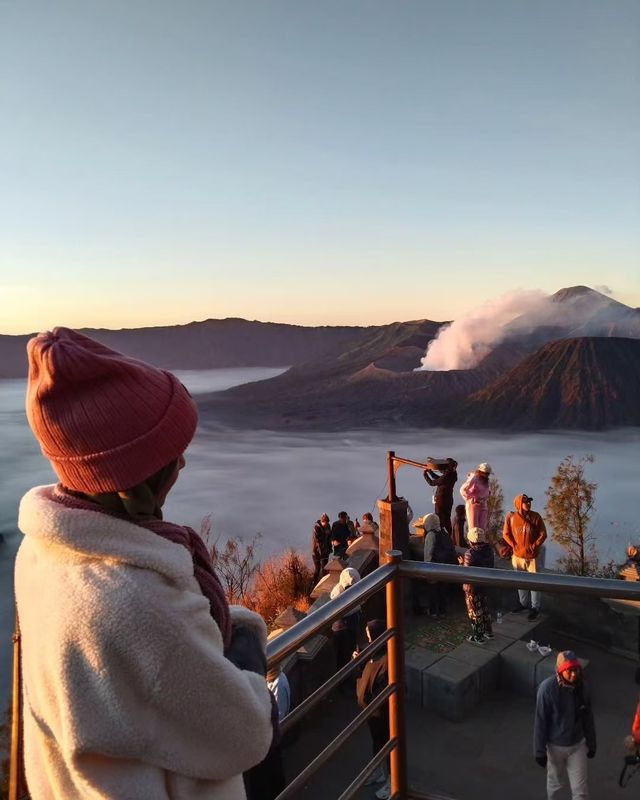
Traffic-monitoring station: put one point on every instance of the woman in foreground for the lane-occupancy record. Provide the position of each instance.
(139, 681)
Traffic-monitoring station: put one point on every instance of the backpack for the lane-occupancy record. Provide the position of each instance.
(444, 551)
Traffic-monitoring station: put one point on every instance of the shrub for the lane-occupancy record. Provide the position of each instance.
(282, 581)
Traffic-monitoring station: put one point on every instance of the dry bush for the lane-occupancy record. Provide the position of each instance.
(282, 581)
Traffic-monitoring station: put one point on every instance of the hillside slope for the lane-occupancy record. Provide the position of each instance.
(588, 383)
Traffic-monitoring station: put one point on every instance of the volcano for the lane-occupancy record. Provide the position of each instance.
(588, 383)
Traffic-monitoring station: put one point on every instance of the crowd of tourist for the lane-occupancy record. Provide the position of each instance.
(465, 528)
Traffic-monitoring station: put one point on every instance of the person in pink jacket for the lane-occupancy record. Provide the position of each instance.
(475, 492)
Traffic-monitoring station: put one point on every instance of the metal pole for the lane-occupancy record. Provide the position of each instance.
(16, 765)
(392, 476)
(395, 651)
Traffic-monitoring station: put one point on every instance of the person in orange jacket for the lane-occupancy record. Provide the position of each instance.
(632, 742)
(635, 728)
(524, 532)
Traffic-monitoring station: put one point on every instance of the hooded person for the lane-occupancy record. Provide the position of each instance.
(438, 549)
(478, 554)
(346, 629)
(139, 680)
(525, 532)
(475, 492)
(564, 734)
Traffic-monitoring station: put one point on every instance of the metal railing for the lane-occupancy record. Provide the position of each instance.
(391, 576)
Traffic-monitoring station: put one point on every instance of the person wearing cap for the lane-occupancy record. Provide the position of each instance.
(525, 532)
(443, 481)
(139, 680)
(478, 554)
(320, 546)
(475, 492)
(564, 734)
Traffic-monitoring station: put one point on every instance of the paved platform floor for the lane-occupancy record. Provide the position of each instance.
(489, 754)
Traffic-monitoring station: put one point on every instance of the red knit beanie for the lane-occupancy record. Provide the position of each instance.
(104, 420)
(567, 659)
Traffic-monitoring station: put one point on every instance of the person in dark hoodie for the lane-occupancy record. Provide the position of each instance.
(342, 534)
(320, 546)
(459, 527)
(524, 532)
(443, 482)
(479, 554)
(564, 734)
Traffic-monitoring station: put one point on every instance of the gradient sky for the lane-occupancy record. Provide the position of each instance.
(312, 161)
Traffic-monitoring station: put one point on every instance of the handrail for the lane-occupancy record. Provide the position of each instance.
(541, 581)
(290, 640)
(335, 744)
(321, 692)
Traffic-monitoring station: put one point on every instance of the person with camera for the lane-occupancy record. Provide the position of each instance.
(444, 481)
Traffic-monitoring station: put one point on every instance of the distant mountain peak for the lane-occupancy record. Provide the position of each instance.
(571, 292)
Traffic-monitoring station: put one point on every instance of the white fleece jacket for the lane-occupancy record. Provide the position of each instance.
(127, 693)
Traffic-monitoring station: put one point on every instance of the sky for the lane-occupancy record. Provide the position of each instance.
(312, 161)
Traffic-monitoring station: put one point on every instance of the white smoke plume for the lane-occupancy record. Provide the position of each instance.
(464, 343)
(603, 289)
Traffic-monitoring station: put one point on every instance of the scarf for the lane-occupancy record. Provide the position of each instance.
(139, 506)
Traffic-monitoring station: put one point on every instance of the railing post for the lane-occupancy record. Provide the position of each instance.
(16, 765)
(395, 652)
(391, 474)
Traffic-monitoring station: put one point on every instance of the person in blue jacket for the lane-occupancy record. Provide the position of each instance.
(564, 734)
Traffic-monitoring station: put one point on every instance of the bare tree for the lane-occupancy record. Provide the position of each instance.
(495, 511)
(569, 508)
(235, 563)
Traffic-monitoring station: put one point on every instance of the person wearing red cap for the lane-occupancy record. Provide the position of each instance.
(139, 679)
(564, 734)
